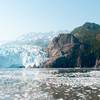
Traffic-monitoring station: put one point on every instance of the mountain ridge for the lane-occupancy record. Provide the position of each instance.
(86, 53)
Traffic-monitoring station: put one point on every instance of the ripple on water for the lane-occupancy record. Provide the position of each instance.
(49, 85)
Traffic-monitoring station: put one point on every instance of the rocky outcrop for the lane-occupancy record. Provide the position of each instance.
(80, 48)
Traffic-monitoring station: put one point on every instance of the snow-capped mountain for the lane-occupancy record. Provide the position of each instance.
(39, 39)
(27, 50)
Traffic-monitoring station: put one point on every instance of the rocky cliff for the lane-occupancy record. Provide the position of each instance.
(80, 48)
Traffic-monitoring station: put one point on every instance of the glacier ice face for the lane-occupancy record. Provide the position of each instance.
(21, 55)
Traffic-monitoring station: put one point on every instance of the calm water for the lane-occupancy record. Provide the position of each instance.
(49, 84)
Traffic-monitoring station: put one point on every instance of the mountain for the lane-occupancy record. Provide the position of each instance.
(88, 33)
(79, 48)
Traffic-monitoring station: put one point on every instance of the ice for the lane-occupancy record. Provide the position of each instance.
(21, 55)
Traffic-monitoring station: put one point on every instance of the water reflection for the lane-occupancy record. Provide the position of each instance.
(49, 84)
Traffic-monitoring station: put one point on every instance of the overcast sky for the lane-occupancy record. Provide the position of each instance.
(23, 16)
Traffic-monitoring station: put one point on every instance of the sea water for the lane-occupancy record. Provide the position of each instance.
(49, 84)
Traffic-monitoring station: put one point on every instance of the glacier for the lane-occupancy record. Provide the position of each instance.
(26, 51)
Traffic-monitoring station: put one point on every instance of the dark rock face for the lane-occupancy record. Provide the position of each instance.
(68, 51)
(98, 63)
(61, 51)
(61, 45)
(88, 60)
